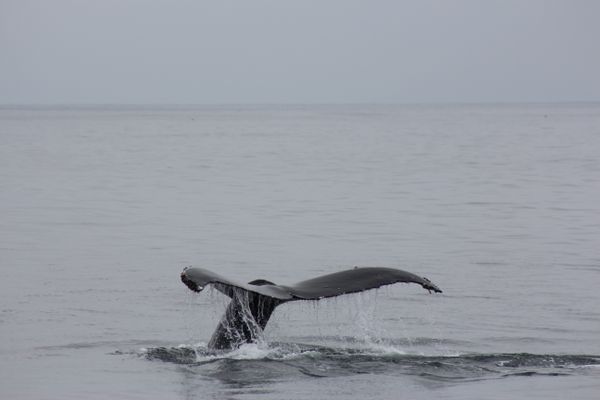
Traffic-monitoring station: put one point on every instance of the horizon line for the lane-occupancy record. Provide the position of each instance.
(286, 104)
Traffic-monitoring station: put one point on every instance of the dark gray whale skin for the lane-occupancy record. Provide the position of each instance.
(253, 303)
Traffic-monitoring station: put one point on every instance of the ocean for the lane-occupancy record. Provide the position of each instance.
(103, 207)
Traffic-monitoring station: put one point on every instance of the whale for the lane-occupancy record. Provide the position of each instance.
(253, 303)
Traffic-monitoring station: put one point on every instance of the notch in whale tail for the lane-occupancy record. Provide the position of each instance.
(253, 303)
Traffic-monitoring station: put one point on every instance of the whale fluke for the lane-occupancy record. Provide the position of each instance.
(253, 303)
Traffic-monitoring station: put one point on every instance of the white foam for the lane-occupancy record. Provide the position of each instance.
(250, 351)
(384, 349)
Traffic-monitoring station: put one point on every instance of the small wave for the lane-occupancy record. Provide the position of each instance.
(199, 354)
(289, 359)
(520, 360)
(534, 373)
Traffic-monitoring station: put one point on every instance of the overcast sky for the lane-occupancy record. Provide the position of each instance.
(288, 51)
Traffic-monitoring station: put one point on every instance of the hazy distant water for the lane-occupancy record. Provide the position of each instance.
(100, 209)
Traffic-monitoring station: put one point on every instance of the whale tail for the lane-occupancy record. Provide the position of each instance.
(253, 303)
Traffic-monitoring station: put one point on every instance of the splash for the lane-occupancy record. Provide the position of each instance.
(342, 361)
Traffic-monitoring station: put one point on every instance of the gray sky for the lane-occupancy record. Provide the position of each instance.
(305, 51)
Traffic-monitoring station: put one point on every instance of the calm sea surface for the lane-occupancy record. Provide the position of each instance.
(101, 209)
